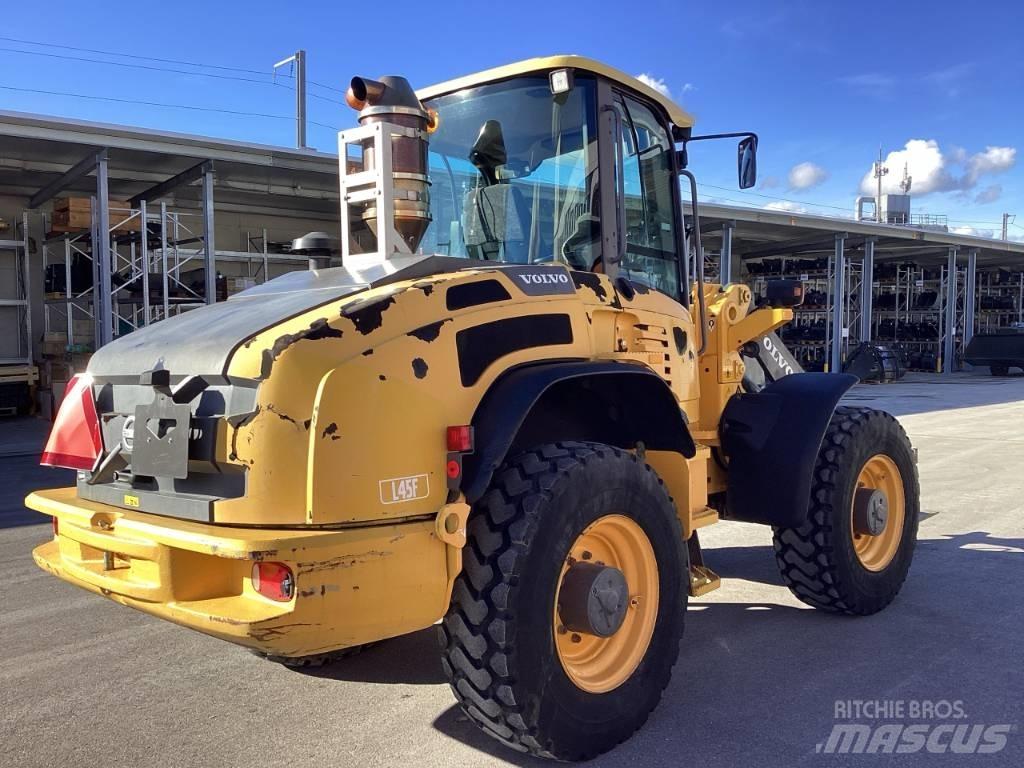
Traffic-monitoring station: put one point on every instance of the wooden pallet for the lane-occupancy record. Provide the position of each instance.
(13, 374)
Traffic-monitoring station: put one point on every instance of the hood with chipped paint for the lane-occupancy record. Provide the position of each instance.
(202, 340)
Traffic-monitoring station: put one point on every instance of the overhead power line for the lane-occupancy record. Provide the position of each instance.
(138, 57)
(191, 107)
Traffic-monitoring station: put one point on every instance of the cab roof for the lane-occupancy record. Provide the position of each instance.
(675, 113)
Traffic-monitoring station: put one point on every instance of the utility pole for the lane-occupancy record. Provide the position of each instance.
(879, 170)
(299, 61)
(1007, 219)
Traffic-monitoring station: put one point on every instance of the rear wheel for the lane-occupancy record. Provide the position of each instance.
(854, 550)
(566, 620)
(999, 370)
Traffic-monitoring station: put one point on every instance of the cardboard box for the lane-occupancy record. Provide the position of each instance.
(73, 214)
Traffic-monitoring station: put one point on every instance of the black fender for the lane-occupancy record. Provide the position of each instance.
(771, 440)
(638, 406)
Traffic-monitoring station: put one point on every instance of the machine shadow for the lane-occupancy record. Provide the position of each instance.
(412, 659)
(24, 475)
(736, 658)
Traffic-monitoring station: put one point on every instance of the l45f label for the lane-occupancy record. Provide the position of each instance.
(399, 489)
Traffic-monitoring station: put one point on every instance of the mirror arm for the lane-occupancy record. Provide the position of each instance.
(740, 135)
(695, 212)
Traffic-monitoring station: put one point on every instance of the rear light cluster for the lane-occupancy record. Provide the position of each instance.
(76, 441)
(273, 580)
(460, 442)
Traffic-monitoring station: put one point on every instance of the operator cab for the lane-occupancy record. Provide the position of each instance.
(559, 160)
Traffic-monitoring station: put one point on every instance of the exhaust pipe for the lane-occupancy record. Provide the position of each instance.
(363, 91)
(392, 100)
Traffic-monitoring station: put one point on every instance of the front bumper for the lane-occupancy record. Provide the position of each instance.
(353, 585)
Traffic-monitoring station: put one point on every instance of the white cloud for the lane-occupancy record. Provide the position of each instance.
(769, 182)
(989, 194)
(687, 87)
(656, 83)
(930, 168)
(806, 176)
(992, 160)
(972, 231)
(785, 205)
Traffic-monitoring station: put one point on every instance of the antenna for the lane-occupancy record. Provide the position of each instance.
(878, 171)
(906, 182)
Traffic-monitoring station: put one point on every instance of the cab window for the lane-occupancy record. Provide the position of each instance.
(650, 236)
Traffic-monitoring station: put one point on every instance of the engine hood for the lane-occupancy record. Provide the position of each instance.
(201, 341)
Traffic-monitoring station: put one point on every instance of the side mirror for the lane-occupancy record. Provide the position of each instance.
(746, 161)
(489, 150)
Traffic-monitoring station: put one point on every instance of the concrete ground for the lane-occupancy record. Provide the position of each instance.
(86, 682)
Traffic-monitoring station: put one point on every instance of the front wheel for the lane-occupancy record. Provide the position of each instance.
(566, 620)
(853, 552)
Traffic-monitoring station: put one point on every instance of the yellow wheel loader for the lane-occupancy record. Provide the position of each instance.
(508, 410)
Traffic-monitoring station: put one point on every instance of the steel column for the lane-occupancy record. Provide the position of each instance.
(163, 259)
(867, 289)
(300, 99)
(838, 288)
(27, 285)
(969, 295)
(101, 255)
(144, 257)
(950, 330)
(210, 255)
(725, 273)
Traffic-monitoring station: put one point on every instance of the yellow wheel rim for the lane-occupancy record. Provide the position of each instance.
(601, 664)
(876, 552)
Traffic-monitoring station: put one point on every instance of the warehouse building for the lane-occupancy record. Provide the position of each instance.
(105, 228)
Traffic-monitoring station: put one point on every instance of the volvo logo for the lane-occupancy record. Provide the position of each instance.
(776, 356)
(544, 279)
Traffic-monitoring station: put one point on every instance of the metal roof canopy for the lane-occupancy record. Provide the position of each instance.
(759, 233)
(37, 153)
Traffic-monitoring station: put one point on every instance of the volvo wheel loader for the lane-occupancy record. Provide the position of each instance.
(509, 410)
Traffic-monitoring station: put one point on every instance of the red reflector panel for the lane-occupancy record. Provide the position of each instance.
(460, 438)
(453, 469)
(75, 441)
(273, 580)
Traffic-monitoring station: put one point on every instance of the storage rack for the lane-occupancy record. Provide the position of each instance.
(148, 272)
(15, 296)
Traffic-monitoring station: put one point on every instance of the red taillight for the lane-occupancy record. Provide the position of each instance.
(460, 439)
(273, 580)
(76, 441)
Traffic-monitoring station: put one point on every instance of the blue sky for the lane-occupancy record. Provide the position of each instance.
(823, 83)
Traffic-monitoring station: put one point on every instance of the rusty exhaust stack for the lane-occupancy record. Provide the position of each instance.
(392, 100)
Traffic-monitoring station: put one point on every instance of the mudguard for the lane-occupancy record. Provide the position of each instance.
(646, 408)
(771, 440)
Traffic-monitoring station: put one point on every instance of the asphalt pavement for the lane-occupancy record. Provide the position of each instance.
(762, 679)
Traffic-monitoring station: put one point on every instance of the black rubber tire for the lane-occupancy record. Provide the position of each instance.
(497, 640)
(317, 659)
(999, 370)
(817, 559)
